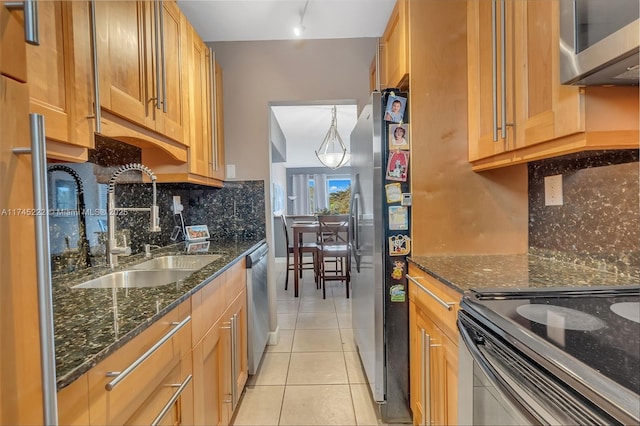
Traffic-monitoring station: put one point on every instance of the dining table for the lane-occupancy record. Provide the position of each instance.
(299, 228)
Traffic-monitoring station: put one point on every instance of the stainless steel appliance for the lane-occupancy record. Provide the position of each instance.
(550, 356)
(599, 42)
(257, 305)
(380, 325)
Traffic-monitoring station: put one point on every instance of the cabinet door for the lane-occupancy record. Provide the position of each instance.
(13, 56)
(491, 91)
(60, 76)
(50, 70)
(20, 373)
(552, 110)
(173, 36)
(200, 109)
(217, 160)
(211, 376)
(123, 29)
(434, 373)
(238, 313)
(395, 47)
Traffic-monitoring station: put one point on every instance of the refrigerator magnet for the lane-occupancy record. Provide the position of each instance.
(398, 270)
(399, 245)
(399, 136)
(395, 109)
(397, 293)
(394, 192)
(398, 165)
(398, 218)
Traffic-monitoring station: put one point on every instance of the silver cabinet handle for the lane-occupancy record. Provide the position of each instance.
(156, 35)
(425, 358)
(446, 305)
(494, 69)
(162, 60)
(503, 64)
(423, 376)
(174, 398)
(214, 125)
(94, 63)
(31, 27)
(120, 375)
(38, 153)
(234, 361)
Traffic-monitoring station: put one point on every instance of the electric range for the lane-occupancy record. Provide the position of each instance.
(583, 343)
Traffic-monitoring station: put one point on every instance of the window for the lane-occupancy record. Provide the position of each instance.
(339, 190)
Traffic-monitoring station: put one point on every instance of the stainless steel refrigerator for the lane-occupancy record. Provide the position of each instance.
(380, 313)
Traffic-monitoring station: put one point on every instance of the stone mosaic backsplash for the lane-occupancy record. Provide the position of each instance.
(598, 224)
(234, 212)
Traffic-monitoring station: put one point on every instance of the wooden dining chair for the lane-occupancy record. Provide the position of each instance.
(334, 253)
(303, 248)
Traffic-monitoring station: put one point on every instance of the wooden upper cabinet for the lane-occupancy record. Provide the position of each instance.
(541, 117)
(60, 79)
(492, 95)
(134, 50)
(13, 58)
(200, 150)
(124, 50)
(217, 160)
(551, 110)
(394, 64)
(173, 38)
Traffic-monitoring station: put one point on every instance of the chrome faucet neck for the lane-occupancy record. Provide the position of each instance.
(114, 249)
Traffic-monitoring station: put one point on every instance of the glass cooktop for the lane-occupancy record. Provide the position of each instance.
(599, 327)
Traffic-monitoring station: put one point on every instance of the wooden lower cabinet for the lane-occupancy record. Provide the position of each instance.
(146, 387)
(220, 361)
(433, 353)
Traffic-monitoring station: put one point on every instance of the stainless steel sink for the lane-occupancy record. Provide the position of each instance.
(133, 279)
(179, 262)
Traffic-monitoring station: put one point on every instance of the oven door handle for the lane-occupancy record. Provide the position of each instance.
(494, 377)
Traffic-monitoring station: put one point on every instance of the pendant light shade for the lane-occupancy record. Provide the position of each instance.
(333, 152)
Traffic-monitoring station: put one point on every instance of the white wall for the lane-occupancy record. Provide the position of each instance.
(258, 72)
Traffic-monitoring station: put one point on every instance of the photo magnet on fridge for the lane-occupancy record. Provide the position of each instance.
(398, 166)
(399, 245)
(399, 136)
(395, 109)
(394, 192)
(397, 293)
(398, 218)
(398, 270)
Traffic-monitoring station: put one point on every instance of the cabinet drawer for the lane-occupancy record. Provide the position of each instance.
(138, 375)
(431, 296)
(235, 281)
(174, 384)
(208, 305)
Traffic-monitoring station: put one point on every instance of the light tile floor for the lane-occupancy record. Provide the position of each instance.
(313, 376)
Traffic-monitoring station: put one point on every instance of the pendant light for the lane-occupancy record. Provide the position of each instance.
(333, 152)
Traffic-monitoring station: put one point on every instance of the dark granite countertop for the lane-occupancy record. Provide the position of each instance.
(85, 328)
(516, 271)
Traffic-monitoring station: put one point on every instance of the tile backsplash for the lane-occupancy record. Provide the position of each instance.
(598, 224)
(234, 212)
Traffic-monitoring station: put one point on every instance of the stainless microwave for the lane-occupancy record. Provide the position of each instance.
(599, 42)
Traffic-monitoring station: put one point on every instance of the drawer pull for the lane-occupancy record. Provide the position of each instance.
(172, 401)
(120, 375)
(446, 305)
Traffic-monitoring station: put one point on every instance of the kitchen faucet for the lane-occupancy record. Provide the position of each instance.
(84, 259)
(114, 249)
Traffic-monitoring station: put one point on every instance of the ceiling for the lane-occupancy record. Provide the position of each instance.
(304, 126)
(243, 20)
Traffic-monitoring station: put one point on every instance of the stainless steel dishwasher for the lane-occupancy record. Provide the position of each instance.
(257, 305)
